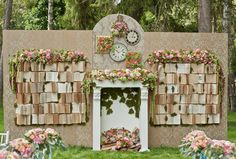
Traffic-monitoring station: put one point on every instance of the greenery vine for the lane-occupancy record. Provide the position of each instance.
(128, 96)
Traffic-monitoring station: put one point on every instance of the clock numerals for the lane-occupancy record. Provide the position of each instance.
(119, 52)
(132, 37)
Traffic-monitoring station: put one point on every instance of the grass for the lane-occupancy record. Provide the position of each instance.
(76, 152)
(232, 126)
(87, 153)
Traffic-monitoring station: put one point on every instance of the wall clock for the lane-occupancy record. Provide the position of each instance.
(132, 37)
(118, 52)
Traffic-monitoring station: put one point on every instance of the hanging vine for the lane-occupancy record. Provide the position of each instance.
(128, 96)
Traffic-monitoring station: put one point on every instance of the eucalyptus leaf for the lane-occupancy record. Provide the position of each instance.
(131, 111)
(109, 111)
(114, 96)
(122, 100)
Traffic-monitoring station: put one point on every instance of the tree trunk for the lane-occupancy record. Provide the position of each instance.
(232, 93)
(50, 14)
(6, 26)
(204, 16)
(227, 20)
(7, 14)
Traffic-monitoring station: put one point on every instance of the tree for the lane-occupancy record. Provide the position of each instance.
(35, 15)
(204, 16)
(6, 26)
(7, 15)
(50, 14)
(227, 19)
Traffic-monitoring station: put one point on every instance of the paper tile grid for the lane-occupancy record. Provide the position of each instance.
(50, 94)
(187, 94)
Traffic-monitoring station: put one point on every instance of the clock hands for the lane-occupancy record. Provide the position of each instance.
(119, 52)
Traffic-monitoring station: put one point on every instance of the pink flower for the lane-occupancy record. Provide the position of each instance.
(157, 54)
(118, 144)
(3, 154)
(22, 146)
(37, 140)
(48, 56)
(198, 50)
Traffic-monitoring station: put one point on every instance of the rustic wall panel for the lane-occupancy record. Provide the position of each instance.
(82, 40)
(217, 42)
(71, 40)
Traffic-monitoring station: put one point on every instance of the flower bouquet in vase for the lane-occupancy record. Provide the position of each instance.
(21, 147)
(193, 144)
(221, 149)
(119, 28)
(43, 141)
(4, 154)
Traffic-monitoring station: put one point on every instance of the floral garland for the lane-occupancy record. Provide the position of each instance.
(133, 60)
(183, 56)
(197, 56)
(48, 56)
(104, 43)
(42, 56)
(125, 75)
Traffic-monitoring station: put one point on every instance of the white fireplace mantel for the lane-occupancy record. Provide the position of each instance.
(143, 114)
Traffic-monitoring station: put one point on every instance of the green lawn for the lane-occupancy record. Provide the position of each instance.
(232, 127)
(87, 153)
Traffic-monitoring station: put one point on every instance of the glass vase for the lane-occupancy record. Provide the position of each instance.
(201, 156)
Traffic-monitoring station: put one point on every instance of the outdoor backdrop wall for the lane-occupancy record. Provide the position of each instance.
(82, 40)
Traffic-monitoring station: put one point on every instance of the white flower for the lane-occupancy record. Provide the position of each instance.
(131, 75)
(137, 74)
(94, 73)
(112, 74)
(106, 71)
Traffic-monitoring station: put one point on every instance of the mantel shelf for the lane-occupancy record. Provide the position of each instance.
(118, 84)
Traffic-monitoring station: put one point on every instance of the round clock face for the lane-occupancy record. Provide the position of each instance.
(118, 52)
(132, 37)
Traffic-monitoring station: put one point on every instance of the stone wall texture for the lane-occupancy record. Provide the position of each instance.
(82, 40)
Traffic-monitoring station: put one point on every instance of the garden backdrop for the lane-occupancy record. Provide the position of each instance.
(214, 16)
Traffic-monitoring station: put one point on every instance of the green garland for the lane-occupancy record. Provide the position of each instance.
(128, 96)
